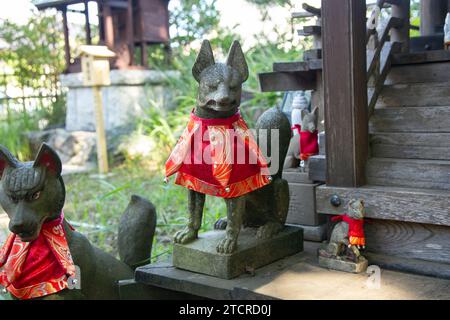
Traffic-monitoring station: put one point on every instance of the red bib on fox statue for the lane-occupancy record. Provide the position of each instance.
(38, 268)
(218, 157)
(355, 229)
(309, 143)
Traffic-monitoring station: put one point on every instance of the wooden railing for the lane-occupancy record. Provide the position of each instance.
(383, 42)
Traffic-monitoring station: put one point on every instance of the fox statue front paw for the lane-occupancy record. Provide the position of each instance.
(185, 236)
(227, 245)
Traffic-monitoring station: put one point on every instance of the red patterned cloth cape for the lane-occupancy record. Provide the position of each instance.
(219, 157)
(35, 269)
(355, 229)
(309, 143)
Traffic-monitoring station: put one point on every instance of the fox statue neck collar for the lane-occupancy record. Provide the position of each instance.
(35, 269)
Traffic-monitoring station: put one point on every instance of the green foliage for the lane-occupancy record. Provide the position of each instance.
(33, 58)
(33, 49)
(192, 20)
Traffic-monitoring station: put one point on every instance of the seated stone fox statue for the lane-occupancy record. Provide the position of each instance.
(206, 157)
(44, 257)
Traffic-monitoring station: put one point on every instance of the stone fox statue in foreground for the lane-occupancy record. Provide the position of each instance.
(45, 257)
(211, 165)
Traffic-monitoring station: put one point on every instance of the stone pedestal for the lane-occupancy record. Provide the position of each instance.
(302, 205)
(343, 265)
(124, 101)
(201, 256)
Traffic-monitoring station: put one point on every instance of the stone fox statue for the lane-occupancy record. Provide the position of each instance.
(45, 257)
(304, 143)
(211, 166)
(347, 236)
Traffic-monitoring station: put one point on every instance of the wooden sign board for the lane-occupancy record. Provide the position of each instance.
(95, 65)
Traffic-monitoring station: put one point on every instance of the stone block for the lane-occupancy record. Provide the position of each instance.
(124, 101)
(343, 265)
(314, 233)
(296, 175)
(302, 205)
(200, 256)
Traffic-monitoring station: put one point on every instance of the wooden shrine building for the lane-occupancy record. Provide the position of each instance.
(385, 100)
(126, 26)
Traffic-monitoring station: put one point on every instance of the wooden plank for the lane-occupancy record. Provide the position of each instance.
(297, 66)
(419, 73)
(398, 119)
(409, 240)
(389, 203)
(310, 31)
(431, 174)
(411, 145)
(301, 14)
(421, 57)
(415, 95)
(313, 54)
(317, 168)
(345, 91)
(287, 81)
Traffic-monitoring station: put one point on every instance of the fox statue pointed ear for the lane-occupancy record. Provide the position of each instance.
(236, 60)
(204, 59)
(49, 159)
(6, 160)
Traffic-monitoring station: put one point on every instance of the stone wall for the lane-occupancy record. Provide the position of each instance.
(124, 100)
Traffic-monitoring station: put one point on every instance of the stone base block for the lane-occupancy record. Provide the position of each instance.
(201, 256)
(302, 205)
(314, 233)
(343, 265)
(296, 175)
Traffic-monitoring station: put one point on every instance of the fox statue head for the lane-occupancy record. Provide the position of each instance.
(31, 193)
(220, 84)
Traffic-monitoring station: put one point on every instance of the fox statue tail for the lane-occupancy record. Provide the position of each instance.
(274, 119)
(136, 231)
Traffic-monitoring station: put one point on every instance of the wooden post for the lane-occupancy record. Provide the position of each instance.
(66, 37)
(345, 91)
(402, 34)
(108, 26)
(130, 30)
(432, 16)
(87, 25)
(144, 57)
(102, 152)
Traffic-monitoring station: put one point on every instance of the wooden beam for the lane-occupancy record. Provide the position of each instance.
(287, 81)
(144, 56)
(345, 91)
(402, 11)
(390, 203)
(66, 36)
(87, 24)
(108, 25)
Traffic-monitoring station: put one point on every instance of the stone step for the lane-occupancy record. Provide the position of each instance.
(429, 174)
(432, 119)
(432, 146)
(415, 95)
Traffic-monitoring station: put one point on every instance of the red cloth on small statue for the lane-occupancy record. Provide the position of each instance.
(309, 143)
(35, 269)
(218, 157)
(355, 229)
